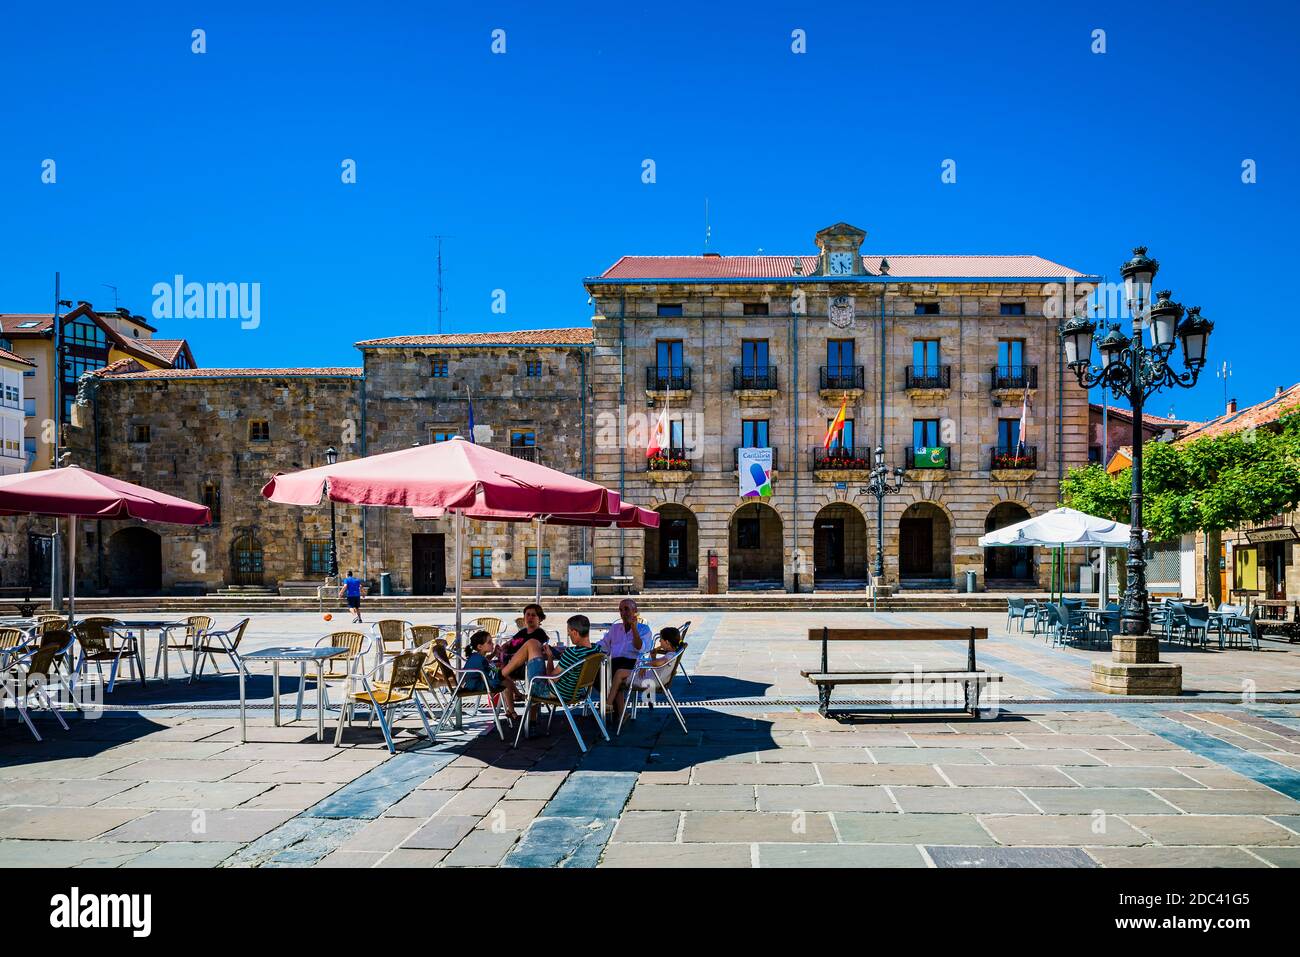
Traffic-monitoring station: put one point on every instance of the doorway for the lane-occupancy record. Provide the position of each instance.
(924, 544)
(428, 564)
(839, 544)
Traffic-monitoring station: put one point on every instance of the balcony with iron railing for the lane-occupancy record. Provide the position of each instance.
(1014, 378)
(926, 458)
(672, 464)
(753, 379)
(844, 458)
(841, 379)
(529, 453)
(1022, 458)
(927, 377)
(668, 378)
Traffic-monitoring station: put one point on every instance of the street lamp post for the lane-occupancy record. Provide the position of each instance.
(331, 457)
(1133, 372)
(879, 485)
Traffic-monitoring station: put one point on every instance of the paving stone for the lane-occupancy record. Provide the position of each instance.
(451, 778)
(237, 825)
(599, 795)
(537, 786)
(290, 797)
(955, 740)
(1290, 821)
(497, 778)
(943, 756)
(350, 859)
(511, 815)
(420, 804)
(380, 835)
(799, 773)
(1054, 757)
(1154, 759)
(1129, 777)
(157, 795)
(722, 827)
(1225, 829)
(810, 755)
(282, 751)
(677, 855)
(1213, 778)
(823, 797)
(193, 854)
(481, 848)
(561, 842)
(839, 855)
(1163, 857)
(642, 826)
(63, 823)
(68, 853)
(1260, 801)
(680, 776)
(441, 833)
(1006, 775)
(59, 793)
(692, 797)
(61, 768)
(1061, 829)
(169, 769)
(471, 802)
(153, 749)
(1108, 800)
(412, 857)
(380, 787)
(919, 774)
(1009, 857)
(1288, 857)
(1082, 742)
(971, 800)
(299, 772)
(910, 829)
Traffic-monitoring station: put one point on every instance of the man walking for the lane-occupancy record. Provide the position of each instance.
(351, 588)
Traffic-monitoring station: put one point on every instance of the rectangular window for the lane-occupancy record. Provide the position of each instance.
(676, 436)
(519, 440)
(531, 563)
(845, 439)
(839, 356)
(670, 310)
(755, 309)
(533, 368)
(480, 562)
(747, 532)
(927, 309)
(443, 436)
(316, 556)
(259, 430)
(753, 356)
(1011, 356)
(753, 433)
(669, 357)
(139, 433)
(925, 433)
(1012, 308)
(925, 356)
(1008, 435)
(438, 366)
(29, 408)
(210, 495)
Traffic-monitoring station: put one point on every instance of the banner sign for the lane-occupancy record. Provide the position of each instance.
(754, 468)
(1272, 533)
(930, 457)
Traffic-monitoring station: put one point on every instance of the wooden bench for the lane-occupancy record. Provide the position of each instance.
(622, 584)
(23, 603)
(971, 678)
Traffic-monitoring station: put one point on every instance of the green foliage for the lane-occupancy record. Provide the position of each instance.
(1210, 484)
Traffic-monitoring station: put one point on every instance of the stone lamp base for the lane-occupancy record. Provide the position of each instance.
(1137, 669)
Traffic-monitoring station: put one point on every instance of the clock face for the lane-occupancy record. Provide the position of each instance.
(840, 264)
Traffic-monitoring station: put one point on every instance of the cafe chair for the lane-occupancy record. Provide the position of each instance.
(449, 683)
(382, 697)
(392, 634)
(192, 630)
(686, 626)
(95, 639)
(339, 668)
(30, 677)
(645, 677)
(219, 643)
(545, 690)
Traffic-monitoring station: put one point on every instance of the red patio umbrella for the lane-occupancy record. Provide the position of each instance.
(74, 492)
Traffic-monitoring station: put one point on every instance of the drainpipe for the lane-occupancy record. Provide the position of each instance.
(582, 405)
(1060, 409)
(795, 386)
(622, 409)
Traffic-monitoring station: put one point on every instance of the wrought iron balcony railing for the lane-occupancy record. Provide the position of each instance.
(841, 377)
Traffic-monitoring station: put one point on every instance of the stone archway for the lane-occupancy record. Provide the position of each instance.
(672, 550)
(135, 562)
(1008, 567)
(839, 544)
(756, 547)
(925, 544)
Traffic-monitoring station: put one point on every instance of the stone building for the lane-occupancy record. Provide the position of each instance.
(731, 352)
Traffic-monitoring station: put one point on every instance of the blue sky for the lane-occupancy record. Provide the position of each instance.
(225, 166)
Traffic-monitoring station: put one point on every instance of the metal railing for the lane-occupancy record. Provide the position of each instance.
(841, 377)
(669, 460)
(1015, 377)
(842, 457)
(911, 460)
(753, 377)
(663, 379)
(927, 377)
(1021, 457)
(529, 453)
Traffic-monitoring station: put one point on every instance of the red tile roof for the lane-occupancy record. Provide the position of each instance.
(1253, 416)
(573, 336)
(11, 323)
(12, 357)
(1147, 418)
(154, 350)
(303, 373)
(167, 349)
(782, 267)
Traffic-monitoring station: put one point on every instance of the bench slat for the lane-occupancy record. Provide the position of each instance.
(898, 634)
(863, 678)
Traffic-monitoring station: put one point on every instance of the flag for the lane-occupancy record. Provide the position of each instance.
(659, 435)
(471, 414)
(837, 425)
(1024, 419)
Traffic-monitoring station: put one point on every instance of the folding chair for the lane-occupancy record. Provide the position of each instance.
(219, 643)
(643, 680)
(439, 673)
(193, 627)
(357, 645)
(38, 666)
(392, 634)
(384, 696)
(545, 689)
(682, 647)
(95, 639)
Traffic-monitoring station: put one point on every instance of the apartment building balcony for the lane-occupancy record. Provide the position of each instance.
(669, 466)
(1011, 382)
(754, 383)
(529, 453)
(930, 463)
(927, 382)
(841, 464)
(1013, 465)
(672, 383)
(837, 383)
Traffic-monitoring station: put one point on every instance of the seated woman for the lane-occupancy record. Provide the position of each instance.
(482, 657)
(531, 631)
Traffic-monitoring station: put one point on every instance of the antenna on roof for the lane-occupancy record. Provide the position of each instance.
(1224, 372)
(114, 288)
(708, 230)
(440, 238)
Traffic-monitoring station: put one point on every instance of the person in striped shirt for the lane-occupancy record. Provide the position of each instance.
(537, 661)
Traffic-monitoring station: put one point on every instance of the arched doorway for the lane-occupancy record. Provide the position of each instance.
(756, 547)
(839, 544)
(1007, 567)
(246, 560)
(672, 549)
(924, 544)
(135, 562)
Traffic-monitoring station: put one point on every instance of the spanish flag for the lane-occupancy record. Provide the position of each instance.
(837, 425)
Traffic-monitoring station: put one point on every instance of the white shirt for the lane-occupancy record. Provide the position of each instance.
(617, 642)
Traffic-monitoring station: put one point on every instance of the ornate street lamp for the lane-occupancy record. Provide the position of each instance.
(331, 457)
(1133, 372)
(879, 485)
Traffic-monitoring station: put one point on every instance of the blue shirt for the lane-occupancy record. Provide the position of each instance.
(353, 586)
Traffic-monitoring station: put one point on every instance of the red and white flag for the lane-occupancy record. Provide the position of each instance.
(659, 438)
(1024, 418)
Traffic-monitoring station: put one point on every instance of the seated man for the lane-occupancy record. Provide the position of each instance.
(535, 659)
(624, 642)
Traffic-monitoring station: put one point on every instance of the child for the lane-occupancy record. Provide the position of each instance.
(482, 658)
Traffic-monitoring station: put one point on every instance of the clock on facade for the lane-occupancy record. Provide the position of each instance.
(839, 264)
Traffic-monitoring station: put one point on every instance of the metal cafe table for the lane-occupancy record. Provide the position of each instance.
(299, 656)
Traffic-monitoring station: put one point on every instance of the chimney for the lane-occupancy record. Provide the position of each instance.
(1279, 391)
(1232, 406)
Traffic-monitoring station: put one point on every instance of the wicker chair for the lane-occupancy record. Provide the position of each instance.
(392, 634)
(447, 683)
(32, 676)
(544, 689)
(13, 641)
(491, 625)
(97, 646)
(341, 667)
(401, 688)
(192, 629)
(212, 643)
(423, 634)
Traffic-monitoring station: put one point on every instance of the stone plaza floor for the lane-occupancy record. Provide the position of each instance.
(1060, 777)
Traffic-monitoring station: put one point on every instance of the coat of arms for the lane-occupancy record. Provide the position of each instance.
(840, 312)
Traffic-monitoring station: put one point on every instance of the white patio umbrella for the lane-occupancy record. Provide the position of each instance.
(1063, 528)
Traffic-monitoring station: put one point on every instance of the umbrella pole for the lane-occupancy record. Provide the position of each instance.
(538, 575)
(72, 570)
(458, 524)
